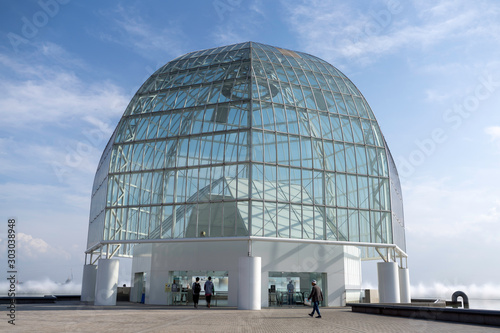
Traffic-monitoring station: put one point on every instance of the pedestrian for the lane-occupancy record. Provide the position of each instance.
(315, 297)
(290, 287)
(209, 290)
(196, 292)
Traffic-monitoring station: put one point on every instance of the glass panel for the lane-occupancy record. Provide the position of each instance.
(270, 148)
(283, 217)
(231, 147)
(329, 154)
(343, 227)
(293, 124)
(372, 161)
(363, 192)
(374, 193)
(134, 191)
(326, 128)
(299, 98)
(268, 116)
(361, 161)
(270, 209)
(346, 129)
(352, 189)
(318, 188)
(361, 108)
(330, 188)
(357, 131)
(331, 224)
(353, 226)
(257, 146)
(315, 124)
(306, 153)
(279, 112)
(283, 179)
(330, 102)
(309, 98)
(307, 187)
(336, 127)
(350, 158)
(295, 185)
(384, 194)
(367, 132)
(146, 188)
(257, 218)
(256, 116)
(339, 157)
(282, 149)
(341, 186)
(351, 108)
(294, 151)
(364, 226)
(340, 103)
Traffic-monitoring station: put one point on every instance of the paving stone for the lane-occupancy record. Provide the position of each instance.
(130, 317)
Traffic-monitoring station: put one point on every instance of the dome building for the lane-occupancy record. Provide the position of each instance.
(252, 164)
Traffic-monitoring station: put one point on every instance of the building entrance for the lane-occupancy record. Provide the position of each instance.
(292, 288)
(181, 292)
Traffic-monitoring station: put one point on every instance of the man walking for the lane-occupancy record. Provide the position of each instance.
(209, 290)
(315, 297)
(196, 292)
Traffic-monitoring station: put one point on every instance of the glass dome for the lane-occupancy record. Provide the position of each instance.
(247, 140)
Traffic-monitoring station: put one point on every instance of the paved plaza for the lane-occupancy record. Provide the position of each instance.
(128, 317)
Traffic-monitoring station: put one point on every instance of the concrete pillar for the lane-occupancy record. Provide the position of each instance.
(249, 284)
(106, 282)
(404, 285)
(388, 282)
(88, 283)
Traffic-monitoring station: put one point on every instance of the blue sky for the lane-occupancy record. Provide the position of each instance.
(429, 69)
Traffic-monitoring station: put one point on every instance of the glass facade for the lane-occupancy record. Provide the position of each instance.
(247, 140)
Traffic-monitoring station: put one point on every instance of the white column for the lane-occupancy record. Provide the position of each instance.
(388, 282)
(249, 284)
(106, 282)
(404, 285)
(88, 283)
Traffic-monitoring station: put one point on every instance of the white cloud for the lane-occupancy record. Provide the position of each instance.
(341, 32)
(31, 247)
(46, 95)
(493, 132)
(450, 209)
(135, 32)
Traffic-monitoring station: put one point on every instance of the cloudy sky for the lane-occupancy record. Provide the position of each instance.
(429, 69)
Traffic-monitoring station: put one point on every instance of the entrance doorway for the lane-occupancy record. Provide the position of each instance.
(292, 288)
(139, 287)
(184, 292)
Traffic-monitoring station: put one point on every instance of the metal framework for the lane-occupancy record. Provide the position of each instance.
(247, 140)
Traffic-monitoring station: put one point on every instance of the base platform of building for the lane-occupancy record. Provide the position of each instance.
(73, 316)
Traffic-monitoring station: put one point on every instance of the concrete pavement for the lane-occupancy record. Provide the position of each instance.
(73, 316)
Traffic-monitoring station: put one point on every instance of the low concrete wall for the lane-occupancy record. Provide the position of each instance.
(469, 316)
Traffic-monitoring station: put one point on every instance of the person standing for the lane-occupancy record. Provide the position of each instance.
(209, 290)
(291, 288)
(315, 297)
(196, 292)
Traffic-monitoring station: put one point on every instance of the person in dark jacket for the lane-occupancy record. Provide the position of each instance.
(315, 297)
(196, 292)
(209, 290)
